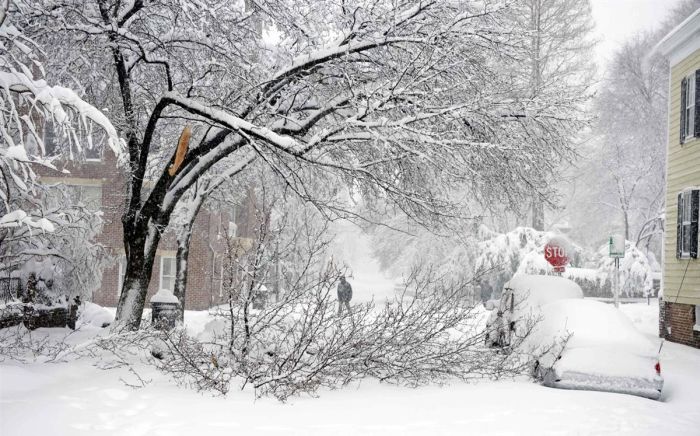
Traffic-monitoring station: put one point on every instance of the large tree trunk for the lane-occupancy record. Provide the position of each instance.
(184, 238)
(535, 84)
(140, 245)
(183, 251)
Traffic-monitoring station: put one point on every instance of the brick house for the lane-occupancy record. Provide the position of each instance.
(99, 184)
(679, 311)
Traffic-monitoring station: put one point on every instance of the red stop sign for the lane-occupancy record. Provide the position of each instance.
(556, 254)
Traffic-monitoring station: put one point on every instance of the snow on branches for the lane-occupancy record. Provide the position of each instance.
(27, 102)
(405, 102)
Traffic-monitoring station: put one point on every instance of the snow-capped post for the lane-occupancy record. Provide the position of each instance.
(556, 253)
(616, 243)
(165, 309)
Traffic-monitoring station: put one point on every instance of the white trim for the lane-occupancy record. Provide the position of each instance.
(232, 229)
(166, 253)
(696, 327)
(689, 109)
(689, 193)
(120, 274)
(71, 181)
(681, 41)
(685, 50)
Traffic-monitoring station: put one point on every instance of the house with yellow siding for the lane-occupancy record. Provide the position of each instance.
(679, 310)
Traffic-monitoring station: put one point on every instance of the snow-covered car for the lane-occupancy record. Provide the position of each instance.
(520, 303)
(603, 352)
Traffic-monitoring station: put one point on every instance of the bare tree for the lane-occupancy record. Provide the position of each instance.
(558, 61)
(298, 343)
(385, 95)
(619, 181)
(185, 214)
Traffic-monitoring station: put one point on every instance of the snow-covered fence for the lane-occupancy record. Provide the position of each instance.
(34, 317)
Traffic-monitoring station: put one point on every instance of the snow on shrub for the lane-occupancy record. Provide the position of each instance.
(635, 271)
(519, 251)
(636, 275)
(93, 315)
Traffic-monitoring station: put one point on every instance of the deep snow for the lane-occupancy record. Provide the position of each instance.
(76, 398)
(79, 399)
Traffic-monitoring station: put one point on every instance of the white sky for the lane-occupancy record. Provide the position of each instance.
(617, 20)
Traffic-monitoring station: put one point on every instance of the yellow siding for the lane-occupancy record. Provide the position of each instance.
(683, 171)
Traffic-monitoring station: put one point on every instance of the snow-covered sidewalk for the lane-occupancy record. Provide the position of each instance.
(78, 399)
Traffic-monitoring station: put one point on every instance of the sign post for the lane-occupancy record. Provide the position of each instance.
(556, 253)
(616, 249)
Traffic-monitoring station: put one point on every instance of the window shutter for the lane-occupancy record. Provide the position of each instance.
(697, 104)
(684, 84)
(679, 226)
(694, 203)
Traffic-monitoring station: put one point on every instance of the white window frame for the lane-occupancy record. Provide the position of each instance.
(232, 229)
(94, 159)
(120, 274)
(686, 220)
(81, 189)
(162, 259)
(696, 327)
(689, 107)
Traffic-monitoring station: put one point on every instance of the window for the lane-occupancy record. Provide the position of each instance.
(689, 115)
(121, 271)
(232, 229)
(687, 228)
(55, 142)
(89, 195)
(51, 138)
(689, 122)
(167, 273)
(93, 153)
(696, 327)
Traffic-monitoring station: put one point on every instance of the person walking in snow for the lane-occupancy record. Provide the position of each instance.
(344, 295)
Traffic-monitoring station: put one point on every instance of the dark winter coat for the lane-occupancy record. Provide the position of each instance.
(344, 291)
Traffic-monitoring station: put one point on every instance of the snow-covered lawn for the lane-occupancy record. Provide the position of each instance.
(78, 399)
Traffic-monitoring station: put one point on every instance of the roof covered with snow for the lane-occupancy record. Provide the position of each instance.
(682, 41)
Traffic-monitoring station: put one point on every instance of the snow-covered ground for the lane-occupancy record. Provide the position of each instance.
(78, 399)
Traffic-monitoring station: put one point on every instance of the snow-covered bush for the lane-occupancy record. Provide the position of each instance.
(521, 250)
(67, 259)
(409, 341)
(635, 271)
(636, 275)
(40, 232)
(93, 315)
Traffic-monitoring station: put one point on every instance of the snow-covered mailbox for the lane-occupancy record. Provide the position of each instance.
(165, 308)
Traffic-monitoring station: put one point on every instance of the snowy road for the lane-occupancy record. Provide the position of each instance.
(77, 399)
(352, 248)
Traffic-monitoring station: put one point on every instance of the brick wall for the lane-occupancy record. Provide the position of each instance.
(206, 250)
(681, 319)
